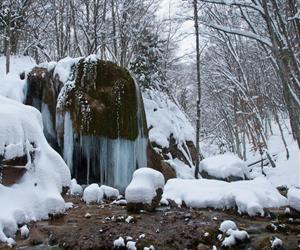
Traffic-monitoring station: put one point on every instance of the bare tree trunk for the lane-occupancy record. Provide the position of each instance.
(7, 44)
(113, 15)
(195, 5)
(282, 137)
(103, 32)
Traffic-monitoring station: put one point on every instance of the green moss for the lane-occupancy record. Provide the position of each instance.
(103, 101)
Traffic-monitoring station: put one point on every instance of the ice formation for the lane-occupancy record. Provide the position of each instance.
(106, 160)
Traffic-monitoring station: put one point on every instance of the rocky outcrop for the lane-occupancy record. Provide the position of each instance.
(11, 171)
(94, 117)
(42, 94)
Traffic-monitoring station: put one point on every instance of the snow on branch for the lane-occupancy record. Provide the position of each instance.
(240, 3)
(248, 34)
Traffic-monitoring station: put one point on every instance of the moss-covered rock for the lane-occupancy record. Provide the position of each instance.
(103, 101)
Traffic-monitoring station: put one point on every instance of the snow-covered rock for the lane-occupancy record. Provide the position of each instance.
(234, 237)
(226, 225)
(92, 193)
(145, 189)
(38, 192)
(170, 134)
(226, 167)
(131, 245)
(75, 188)
(118, 243)
(24, 231)
(11, 85)
(109, 192)
(293, 196)
(248, 196)
(276, 243)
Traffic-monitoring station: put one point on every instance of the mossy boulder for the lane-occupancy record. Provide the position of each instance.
(103, 101)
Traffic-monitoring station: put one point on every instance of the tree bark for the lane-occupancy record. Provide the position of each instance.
(195, 5)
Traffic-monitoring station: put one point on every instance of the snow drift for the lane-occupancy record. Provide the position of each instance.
(38, 192)
(248, 196)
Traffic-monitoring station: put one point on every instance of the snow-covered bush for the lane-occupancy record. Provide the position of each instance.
(38, 192)
(145, 182)
(92, 193)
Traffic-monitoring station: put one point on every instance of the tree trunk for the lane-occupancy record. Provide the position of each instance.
(195, 5)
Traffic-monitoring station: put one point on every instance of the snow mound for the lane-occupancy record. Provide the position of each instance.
(276, 242)
(92, 193)
(38, 192)
(24, 231)
(248, 196)
(75, 188)
(293, 196)
(234, 237)
(226, 225)
(143, 186)
(109, 192)
(63, 68)
(224, 165)
(119, 243)
(164, 119)
(11, 85)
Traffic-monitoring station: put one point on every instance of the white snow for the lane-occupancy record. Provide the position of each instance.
(11, 86)
(226, 225)
(109, 192)
(293, 196)
(131, 245)
(276, 243)
(165, 118)
(63, 68)
(38, 192)
(119, 242)
(248, 196)
(182, 170)
(143, 186)
(224, 165)
(24, 231)
(92, 193)
(234, 236)
(75, 188)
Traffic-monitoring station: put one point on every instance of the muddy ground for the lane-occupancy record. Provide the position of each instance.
(167, 228)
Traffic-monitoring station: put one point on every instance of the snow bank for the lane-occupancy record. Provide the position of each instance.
(164, 118)
(38, 192)
(11, 85)
(287, 172)
(142, 188)
(248, 196)
(293, 196)
(92, 193)
(224, 165)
